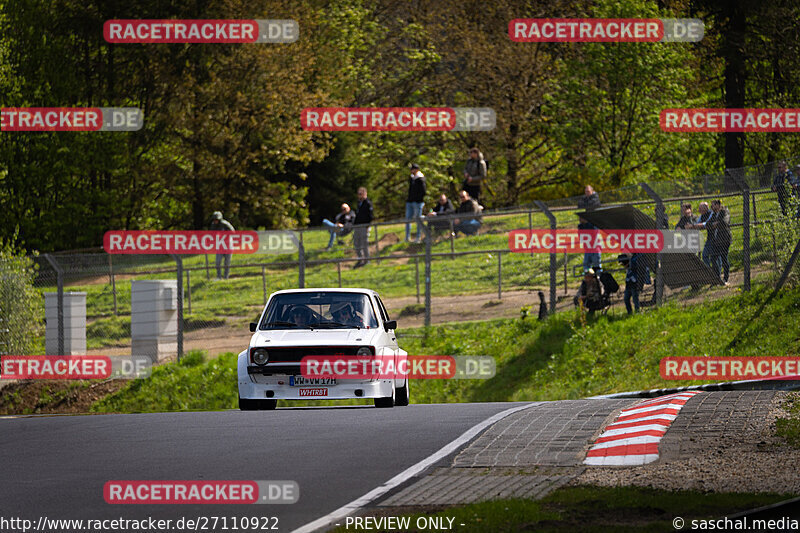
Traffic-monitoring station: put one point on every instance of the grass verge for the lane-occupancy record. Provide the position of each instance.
(618, 509)
(564, 357)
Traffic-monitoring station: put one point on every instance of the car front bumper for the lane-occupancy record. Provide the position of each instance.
(277, 387)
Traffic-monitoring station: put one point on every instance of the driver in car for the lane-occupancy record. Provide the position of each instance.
(300, 315)
(342, 312)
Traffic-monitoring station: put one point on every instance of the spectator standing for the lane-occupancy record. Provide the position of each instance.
(590, 200)
(636, 276)
(783, 177)
(474, 173)
(686, 221)
(364, 216)
(415, 201)
(468, 206)
(720, 225)
(590, 259)
(705, 214)
(442, 208)
(220, 224)
(342, 224)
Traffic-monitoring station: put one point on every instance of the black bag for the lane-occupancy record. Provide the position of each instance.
(609, 283)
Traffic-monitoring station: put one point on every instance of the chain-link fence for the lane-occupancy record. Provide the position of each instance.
(459, 271)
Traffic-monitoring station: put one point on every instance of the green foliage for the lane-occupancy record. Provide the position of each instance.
(589, 508)
(788, 427)
(560, 358)
(21, 306)
(191, 384)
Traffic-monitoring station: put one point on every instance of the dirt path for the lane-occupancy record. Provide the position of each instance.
(218, 340)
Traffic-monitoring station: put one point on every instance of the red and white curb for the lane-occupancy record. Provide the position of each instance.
(633, 438)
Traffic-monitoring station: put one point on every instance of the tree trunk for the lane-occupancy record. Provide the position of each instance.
(735, 75)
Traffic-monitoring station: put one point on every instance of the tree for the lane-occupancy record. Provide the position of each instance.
(20, 303)
(607, 113)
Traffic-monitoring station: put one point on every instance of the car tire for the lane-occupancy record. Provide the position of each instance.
(267, 405)
(388, 401)
(248, 405)
(402, 397)
(257, 405)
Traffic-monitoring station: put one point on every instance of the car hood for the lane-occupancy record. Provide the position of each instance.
(317, 337)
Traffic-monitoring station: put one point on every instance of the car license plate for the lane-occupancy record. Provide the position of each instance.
(298, 381)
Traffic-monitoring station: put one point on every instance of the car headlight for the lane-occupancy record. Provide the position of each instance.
(364, 350)
(260, 356)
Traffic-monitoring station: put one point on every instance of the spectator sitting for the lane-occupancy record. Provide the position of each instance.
(590, 293)
(442, 208)
(783, 177)
(467, 226)
(686, 221)
(590, 200)
(342, 225)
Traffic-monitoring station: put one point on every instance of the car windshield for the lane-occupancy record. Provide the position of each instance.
(319, 310)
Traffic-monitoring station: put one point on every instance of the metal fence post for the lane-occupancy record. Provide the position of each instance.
(416, 277)
(113, 283)
(428, 238)
(530, 223)
(543, 207)
(339, 272)
(661, 217)
(179, 262)
(208, 274)
(264, 282)
(189, 290)
(301, 262)
(742, 185)
(452, 237)
(60, 299)
(500, 276)
(377, 247)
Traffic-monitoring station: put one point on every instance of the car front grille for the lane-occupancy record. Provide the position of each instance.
(296, 354)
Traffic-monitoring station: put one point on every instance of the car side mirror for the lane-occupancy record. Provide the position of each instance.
(390, 324)
(253, 326)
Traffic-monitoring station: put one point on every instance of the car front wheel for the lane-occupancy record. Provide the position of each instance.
(257, 405)
(387, 401)
(402, 396)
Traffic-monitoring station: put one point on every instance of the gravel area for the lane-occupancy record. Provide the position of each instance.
(727, 444)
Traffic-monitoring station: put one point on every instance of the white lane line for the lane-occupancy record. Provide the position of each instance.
(634, 429)
(621, 460)
(678, 396)
(642, 439)
(408, 473)
(616, 425)
(649, 408)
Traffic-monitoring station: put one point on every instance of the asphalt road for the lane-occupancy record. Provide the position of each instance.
(57, 466)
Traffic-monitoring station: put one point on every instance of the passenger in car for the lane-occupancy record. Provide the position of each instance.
(342, 312)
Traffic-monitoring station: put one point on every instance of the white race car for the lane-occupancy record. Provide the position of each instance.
(319, 322)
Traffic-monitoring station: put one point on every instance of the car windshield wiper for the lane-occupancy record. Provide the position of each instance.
(331, 323)
(282, 323)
